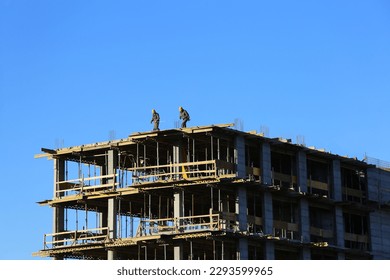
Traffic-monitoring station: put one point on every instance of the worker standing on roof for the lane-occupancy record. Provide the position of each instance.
(184, 116)
(155, 120)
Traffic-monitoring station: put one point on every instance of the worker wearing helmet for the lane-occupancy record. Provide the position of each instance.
(184, 116)
(155, 120)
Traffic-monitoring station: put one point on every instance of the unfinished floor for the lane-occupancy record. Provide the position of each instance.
(214, 193)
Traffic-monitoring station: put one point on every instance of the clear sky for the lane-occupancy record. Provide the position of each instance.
(79, 72)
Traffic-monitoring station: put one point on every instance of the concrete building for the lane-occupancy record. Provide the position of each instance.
(214, 193)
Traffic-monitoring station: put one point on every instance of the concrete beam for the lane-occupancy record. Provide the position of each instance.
(242, 214)
(178, 211)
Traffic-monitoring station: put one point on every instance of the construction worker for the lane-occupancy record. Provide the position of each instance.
(155, 120)
(184, 116)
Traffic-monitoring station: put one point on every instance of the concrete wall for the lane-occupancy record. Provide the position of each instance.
(380, 234)
(378, 182)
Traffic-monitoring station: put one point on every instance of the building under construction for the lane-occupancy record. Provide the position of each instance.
(214, 193)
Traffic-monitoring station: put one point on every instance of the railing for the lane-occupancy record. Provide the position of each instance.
(210, 169)
(74, 238)
(82, 184)
(181, 171)
(211, 222)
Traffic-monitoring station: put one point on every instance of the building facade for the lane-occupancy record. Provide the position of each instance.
(214, 193)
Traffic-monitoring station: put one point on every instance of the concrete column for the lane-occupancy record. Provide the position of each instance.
(112, 203)
(266, 169)
(178, 204)
(242, 208)
(336, 181)
(239, 156)
(338, 196)
(269, 252)
(178, 211)
(178, 251)
(268, 214)
(306, 253)
(304, 215)
(268, 218)
(176, 159)
(58, 212)
(339, 227)
(302, 171)
(304, 220)
(242, 216)
(339, 221)
(241, 202)
(242, 249)
(341, 256)
(304, 226)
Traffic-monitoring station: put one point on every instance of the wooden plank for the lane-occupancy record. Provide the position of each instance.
(42, 155)
(87, 188)
(111, 176)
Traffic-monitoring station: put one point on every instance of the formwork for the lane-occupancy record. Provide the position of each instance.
(208, 193)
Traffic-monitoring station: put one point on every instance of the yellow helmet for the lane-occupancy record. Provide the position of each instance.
(153, 111)
(180, 108)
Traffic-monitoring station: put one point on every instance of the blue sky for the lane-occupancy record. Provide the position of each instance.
(74, 72)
